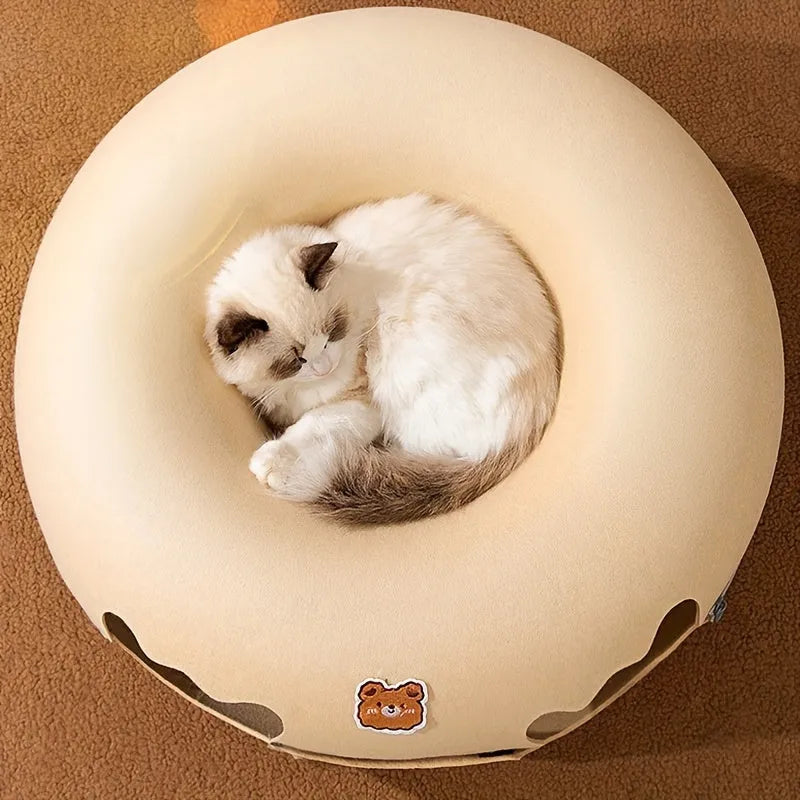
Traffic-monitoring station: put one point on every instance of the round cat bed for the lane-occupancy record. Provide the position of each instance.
(496, 628)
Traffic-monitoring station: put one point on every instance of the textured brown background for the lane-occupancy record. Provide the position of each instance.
(721, 718)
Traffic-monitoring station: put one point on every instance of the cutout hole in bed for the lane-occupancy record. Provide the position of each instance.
(678, 622)
(257, 718)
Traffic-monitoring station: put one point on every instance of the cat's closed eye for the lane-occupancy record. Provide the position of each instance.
(337, 324)
(236, 327)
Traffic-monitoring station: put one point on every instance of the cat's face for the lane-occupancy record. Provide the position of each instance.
(273, 314)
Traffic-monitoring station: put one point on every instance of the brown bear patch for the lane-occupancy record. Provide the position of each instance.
(398, 708)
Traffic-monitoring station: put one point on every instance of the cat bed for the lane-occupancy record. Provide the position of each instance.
(494, 629)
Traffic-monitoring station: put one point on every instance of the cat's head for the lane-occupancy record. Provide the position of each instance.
(273, 314)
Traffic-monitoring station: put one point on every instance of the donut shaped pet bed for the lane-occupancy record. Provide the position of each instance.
(498, 627)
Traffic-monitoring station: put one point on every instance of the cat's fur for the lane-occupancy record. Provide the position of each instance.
(405, 356)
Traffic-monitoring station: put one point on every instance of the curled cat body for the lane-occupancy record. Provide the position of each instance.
(404, 357)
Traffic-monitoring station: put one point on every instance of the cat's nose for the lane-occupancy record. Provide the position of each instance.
(322, 364)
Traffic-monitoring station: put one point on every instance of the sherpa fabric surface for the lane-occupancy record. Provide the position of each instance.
(719, 719)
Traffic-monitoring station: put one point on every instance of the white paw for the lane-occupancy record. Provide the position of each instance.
(274, 464)
(294, 469)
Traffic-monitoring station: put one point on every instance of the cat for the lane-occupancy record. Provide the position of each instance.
(404, 357)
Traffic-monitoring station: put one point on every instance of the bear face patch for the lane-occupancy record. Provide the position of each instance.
(395, 708)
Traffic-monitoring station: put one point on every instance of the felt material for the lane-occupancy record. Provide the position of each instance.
(720, 718)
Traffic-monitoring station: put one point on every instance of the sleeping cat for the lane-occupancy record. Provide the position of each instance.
(404, 357)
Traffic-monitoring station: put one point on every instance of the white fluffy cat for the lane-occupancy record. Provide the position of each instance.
(404, 357)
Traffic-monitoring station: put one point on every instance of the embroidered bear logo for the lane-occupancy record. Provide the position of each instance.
(397, 708)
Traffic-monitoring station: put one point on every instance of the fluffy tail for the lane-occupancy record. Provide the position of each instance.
(377, 485)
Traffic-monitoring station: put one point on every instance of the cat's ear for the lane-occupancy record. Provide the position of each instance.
(315, 262)
(235, 327)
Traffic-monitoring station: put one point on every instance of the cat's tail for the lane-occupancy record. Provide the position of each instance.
(376, 485)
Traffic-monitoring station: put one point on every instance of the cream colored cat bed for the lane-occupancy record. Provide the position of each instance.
(497, 628)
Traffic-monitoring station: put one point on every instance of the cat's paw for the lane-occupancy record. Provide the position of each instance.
(274, 463)
(295, 470)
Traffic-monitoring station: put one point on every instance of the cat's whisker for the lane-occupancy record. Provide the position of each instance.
(367, 332)
(262, 399)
